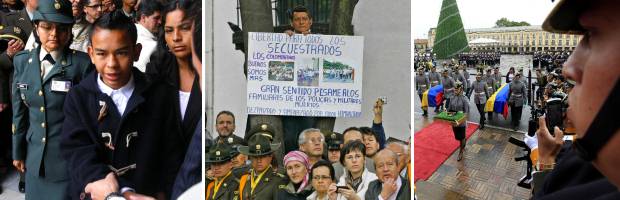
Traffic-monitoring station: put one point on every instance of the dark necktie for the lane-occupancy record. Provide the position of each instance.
(49, 58)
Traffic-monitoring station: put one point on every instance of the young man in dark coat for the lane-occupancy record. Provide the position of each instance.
(117, 135)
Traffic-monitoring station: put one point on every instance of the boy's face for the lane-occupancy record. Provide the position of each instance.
(113, 54)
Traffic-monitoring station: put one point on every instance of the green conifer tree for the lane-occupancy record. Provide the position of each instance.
(450, 38)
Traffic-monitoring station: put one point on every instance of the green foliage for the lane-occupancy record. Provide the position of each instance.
(450, 38)
(334, 65)
(504, 22)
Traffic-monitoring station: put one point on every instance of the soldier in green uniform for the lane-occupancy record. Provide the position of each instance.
(226, 185)
(262, 180)
(43, 76)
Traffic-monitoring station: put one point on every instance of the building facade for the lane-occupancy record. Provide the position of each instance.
(420, 45)
(520, 39)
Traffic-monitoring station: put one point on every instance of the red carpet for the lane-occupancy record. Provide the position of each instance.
(433, 145)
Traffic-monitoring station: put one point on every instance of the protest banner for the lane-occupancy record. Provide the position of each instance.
(304, 75)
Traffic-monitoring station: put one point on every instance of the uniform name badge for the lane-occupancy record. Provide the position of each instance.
(61, 86)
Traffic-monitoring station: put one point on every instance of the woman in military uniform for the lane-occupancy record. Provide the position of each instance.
(43, 76)
(458, 102)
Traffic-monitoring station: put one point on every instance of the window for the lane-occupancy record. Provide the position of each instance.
(320, 10)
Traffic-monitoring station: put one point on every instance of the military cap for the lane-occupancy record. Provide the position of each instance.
(334, 140)
(258, 145)
(391, 139)
(234, 142)
(8, 33)
(263, 129)
(564, 18)
(58, 11)
(219, 153)
(11, 32)
(458, 85)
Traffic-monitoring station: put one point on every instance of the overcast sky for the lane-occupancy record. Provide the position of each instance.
(479, 13)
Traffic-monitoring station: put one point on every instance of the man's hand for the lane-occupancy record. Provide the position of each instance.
(289, 32)
(136, 196)
(548, 146)
(378, 110)
(98, 190)
(14, 47)
(20, 165)
(3, 106)
(388, 188)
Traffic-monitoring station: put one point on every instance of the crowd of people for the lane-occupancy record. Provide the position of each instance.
(102, 97)
(473, 59)
(358, 164)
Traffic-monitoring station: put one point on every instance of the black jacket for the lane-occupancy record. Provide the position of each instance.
(163, 67)
(575, 178)
(154, 149)
(374, 190)
(286, 191)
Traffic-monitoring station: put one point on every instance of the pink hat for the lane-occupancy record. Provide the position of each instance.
(297, 156)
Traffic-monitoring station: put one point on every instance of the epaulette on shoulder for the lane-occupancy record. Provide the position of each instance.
(278, 174)
(22, 52)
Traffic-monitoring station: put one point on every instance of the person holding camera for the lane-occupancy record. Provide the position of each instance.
(590, 169)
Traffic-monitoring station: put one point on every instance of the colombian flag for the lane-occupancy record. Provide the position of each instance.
(432, 97)
(498, 102)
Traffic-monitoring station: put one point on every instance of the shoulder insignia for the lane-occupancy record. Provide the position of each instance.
(281, 186)
(280, 175)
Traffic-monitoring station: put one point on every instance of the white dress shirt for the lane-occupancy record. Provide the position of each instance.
(183, 101)
(149, 43)
(46, 66)
(120, 96)
(399, 183)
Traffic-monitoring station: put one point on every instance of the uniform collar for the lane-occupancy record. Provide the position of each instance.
(55, 54)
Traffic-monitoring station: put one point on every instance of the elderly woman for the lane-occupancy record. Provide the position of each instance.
(298, 187)
(356, 177)
(43, 76)
(323, 181)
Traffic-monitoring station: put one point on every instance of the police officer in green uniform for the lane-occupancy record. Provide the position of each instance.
(225, 185)
(43, 76)
(262, 180)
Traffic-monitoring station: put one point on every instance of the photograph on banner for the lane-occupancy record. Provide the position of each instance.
(299, 98)
(283, 75)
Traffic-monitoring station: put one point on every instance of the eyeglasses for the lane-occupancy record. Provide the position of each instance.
(324, 177)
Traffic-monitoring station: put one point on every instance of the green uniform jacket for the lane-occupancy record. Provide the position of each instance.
(37, 111)
(266, 187)
(229, 189)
